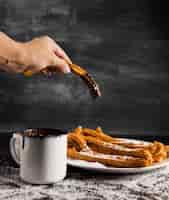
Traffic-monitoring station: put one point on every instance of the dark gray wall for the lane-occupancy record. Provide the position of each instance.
(124, 44)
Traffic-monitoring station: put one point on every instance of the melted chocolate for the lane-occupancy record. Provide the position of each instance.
(42, 132)
(87, 78)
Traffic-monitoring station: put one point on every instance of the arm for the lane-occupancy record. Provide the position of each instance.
(36, 55)
(10, 52)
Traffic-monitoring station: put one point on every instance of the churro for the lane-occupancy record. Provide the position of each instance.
(160, 152)
(96, 146)
(76, 141)
(108, 160)
(109, 148)
(98, 133)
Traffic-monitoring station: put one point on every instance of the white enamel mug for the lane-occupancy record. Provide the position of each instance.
(42, 160)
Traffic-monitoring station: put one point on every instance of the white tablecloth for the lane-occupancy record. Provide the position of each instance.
(84, 185)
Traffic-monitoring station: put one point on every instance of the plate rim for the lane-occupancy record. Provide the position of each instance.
(92, 166)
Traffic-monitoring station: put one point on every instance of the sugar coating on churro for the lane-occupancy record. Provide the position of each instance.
(96, 146)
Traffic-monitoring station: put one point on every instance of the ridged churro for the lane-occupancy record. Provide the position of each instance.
(160, 152)
(96, 146)
(109, 160)
(98, 133)
(76, 141)
(116, 149)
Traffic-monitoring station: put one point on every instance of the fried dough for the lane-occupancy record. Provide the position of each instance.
(108, 160)
(76, 141)
(160, 153)
(115, 149)
(96, 146)
(122, 141)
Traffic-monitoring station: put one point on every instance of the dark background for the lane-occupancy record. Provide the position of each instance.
(124, 44)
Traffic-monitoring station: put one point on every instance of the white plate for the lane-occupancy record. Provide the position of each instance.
(94, 166)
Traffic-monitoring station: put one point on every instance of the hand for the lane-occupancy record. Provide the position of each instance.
(35, 55)
(44, 52)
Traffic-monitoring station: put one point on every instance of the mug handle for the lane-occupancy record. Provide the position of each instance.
(13, 151)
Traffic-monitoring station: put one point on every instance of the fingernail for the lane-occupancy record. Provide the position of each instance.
(67, 69)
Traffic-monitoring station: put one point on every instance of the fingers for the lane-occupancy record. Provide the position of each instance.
(30, 70)
(54, 64)
(60, 64)
(14, 68)
(56, 48)
(61, 53)
(48, 57)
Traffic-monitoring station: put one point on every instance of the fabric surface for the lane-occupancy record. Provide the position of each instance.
(85, 185)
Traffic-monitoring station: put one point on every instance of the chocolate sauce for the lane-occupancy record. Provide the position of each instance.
(42, 132)
(88, 80)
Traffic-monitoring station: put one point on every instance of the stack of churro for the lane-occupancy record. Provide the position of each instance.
(96, 146)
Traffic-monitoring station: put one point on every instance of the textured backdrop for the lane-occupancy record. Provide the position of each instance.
(124, 44)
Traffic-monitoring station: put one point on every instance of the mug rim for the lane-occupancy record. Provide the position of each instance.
(42, 132)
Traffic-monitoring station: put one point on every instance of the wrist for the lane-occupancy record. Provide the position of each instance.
(10, 49)
(11, 52)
